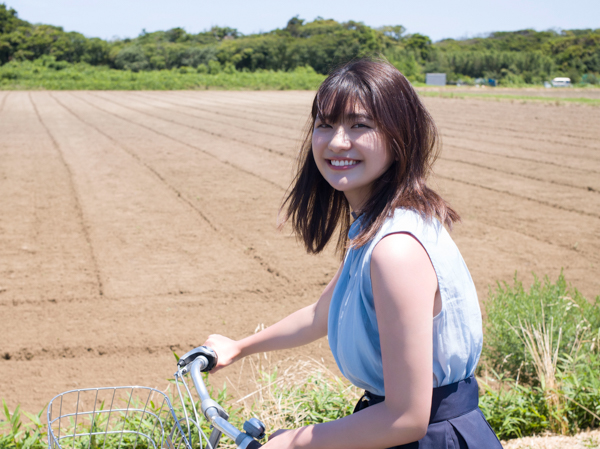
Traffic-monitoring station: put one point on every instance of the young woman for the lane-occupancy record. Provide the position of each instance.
(401, 313)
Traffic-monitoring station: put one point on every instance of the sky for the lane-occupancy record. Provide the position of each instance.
(438, 19)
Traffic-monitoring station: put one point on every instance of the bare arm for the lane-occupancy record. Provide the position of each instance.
(299, 328)
(404, 288)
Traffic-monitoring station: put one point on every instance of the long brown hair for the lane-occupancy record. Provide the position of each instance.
(316, 209)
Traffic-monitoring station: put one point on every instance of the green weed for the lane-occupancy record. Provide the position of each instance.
(17, 434)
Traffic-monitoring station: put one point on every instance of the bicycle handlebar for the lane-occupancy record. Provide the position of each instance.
(203, 359)
(209, 354)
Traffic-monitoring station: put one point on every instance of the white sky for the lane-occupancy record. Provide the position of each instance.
(436, 18)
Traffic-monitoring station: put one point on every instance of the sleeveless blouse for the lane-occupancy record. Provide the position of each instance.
(352, 322)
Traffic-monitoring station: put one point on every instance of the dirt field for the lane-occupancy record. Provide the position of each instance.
(136, 223)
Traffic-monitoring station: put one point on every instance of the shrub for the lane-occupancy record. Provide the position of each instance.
(545, 302)
(542, 348)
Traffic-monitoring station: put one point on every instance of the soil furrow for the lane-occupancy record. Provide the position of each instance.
(291, 113)
(155, 242)
(570, 162)
(52, 353)
(580, 155)
(501, 133)
(586, 188)
(525, 197)
(212, 133)
(75, 193)
(214, 111)
(140, 161)
(182, 197)
(520, 158)
(195, 147)
(562, 125)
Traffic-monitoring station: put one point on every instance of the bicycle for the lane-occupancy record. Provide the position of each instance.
(134, 421)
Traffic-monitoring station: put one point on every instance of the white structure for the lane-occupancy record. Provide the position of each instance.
(435, 79)
(561, 82)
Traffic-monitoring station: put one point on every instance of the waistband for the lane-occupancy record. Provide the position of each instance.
(447, 402)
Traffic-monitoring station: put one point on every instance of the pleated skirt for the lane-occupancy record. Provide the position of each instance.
(455, 422)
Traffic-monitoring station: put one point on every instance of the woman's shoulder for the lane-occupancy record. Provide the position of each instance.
(409, 221)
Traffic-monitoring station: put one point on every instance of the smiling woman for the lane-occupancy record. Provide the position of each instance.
(366, 112)
(401, 314)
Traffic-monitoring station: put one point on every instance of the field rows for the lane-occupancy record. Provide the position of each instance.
(135, 223)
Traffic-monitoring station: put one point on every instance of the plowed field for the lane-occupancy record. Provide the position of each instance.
(136, 223)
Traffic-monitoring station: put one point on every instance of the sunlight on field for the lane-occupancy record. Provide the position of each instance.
(136, 223)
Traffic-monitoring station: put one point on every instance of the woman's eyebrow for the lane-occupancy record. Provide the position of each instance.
(358, 116)
(352, 116)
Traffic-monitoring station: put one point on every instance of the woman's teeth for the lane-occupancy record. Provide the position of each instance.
(341, 163)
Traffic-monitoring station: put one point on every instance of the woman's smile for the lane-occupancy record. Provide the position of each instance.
(342, 164)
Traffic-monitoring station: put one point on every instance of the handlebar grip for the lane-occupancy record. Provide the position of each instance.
(254, 445)
(205, 351)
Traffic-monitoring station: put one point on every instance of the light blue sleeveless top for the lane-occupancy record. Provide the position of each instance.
(352, 323)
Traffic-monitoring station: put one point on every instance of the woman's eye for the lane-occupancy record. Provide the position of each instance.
(361, 125)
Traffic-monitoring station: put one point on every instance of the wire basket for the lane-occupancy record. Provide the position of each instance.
(130, 417)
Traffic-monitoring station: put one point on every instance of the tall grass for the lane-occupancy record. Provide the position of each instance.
(306, 392)
(540, 366)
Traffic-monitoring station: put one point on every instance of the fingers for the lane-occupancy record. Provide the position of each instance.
(227, 350)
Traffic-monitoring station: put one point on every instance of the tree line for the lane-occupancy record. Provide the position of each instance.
(526, 56)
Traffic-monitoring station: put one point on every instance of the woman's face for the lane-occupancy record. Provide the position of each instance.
(351, 154)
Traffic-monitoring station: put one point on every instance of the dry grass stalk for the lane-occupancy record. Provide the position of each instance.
(278, 395)
(539, 343)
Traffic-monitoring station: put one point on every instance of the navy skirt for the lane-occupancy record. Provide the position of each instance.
(455, 422)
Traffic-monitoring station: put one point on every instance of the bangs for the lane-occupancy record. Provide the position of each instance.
(338, 97)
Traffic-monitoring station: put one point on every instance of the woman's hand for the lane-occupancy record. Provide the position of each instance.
(228, 350)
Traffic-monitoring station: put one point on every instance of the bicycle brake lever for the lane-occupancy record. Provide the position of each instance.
(189, 357)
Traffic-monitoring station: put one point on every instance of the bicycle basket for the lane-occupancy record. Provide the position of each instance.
(130, 417)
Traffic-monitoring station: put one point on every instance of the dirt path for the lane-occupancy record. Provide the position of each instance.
(136, 223)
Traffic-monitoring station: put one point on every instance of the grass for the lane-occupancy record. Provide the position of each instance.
(512, 97)
(51, 75)
(540, 367)
(539, 373)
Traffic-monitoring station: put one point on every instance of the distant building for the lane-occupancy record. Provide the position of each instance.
(435, 79)
(561, 82)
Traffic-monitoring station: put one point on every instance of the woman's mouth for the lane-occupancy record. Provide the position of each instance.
(342, 164)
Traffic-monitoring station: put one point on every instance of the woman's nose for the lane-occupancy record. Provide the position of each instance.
(340, 141)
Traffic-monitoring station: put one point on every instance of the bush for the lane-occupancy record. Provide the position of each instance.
(557, 303)
(542, 348)
(132, 58)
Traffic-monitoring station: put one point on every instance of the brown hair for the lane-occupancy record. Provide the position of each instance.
(316, 209)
